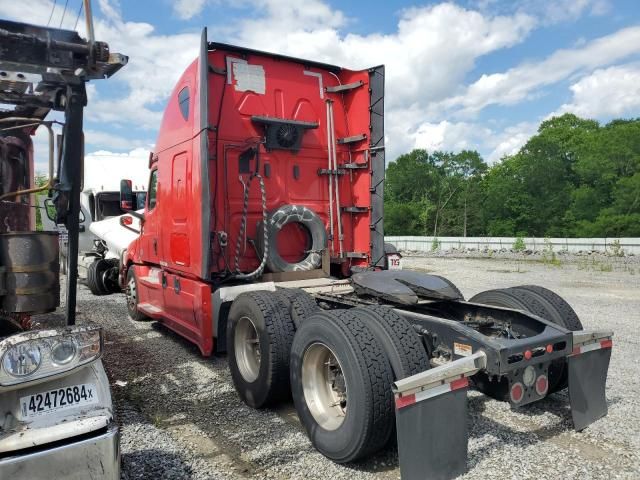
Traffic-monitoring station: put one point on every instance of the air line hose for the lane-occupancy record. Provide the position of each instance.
(243, 225)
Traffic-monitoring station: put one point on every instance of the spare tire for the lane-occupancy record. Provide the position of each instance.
(285, 215)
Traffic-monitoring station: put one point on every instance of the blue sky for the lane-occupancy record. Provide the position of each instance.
(478, 74)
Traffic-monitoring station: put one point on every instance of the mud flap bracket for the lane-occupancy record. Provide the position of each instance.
(587, 368)
(431, 420)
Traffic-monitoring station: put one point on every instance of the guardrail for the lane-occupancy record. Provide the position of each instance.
(613, 246)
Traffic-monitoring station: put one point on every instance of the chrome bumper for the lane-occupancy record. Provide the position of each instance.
(96, 458)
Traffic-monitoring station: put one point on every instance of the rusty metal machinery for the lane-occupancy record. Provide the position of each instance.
(42, 69)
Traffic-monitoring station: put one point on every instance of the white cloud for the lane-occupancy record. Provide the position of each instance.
(524, 81)
(37, 13)
(186, 9)
(427, 57)
(98, 138)
(609, 92)
(155, 64)
(456, 136)
(568, 10)
(155, 61)
(446, 135)
(509, 140)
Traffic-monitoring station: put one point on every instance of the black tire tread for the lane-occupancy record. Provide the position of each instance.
(374, 362)
(301, 304)
(280, 330)
(93, 280)
(400, 339)
(568, 314)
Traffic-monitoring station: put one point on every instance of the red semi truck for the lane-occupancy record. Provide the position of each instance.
(263, 236)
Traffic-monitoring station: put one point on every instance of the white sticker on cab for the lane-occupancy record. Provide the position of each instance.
(249, 77)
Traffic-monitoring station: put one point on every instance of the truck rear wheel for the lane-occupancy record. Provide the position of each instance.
(131, 294)
(259, 336)
(543, 303)
(398, 339)
(561, 314)
(341, 385)
(301, 304)
(95, 275)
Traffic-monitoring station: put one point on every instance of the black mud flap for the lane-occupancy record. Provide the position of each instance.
(587, 369)
(431, 420)
(433, 436)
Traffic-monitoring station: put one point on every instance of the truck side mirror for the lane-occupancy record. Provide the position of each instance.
(126, 195)
(50, 209)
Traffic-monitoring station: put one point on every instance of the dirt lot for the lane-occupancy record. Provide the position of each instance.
(181, 417)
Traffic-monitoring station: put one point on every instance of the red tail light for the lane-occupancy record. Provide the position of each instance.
(517, 392)
(549, 348)
(542, 385)
(127, 220)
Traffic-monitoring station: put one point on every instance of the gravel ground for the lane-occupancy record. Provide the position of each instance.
(181, 417)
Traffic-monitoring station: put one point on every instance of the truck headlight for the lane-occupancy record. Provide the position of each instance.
(32, 355)
(22, 360)
(63, 351)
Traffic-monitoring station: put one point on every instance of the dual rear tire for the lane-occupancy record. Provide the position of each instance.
(337, 365)
(343, 363)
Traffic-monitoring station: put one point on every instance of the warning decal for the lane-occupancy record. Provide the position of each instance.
(462, 349)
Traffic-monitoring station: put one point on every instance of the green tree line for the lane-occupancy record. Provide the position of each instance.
(573, 178)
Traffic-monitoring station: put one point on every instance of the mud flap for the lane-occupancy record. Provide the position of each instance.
(431, 420)
(587, 369)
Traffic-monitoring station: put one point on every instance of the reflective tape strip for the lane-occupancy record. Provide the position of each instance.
(406, 400)
(608, 343)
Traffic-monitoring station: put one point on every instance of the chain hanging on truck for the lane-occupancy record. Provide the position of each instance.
(243, 224)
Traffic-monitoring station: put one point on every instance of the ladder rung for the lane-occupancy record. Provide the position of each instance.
(353, 138)
(355, 166)
(326, 171)
(342, 88)
(355, 209)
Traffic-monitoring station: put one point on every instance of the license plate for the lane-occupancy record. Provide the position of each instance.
(44, 403)
(394, 262)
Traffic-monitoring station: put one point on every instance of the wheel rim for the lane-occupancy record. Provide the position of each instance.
(104, 281)
(324, 386)
(247, 349)
(132, 298)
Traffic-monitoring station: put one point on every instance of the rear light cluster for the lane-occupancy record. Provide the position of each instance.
(529, 378)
